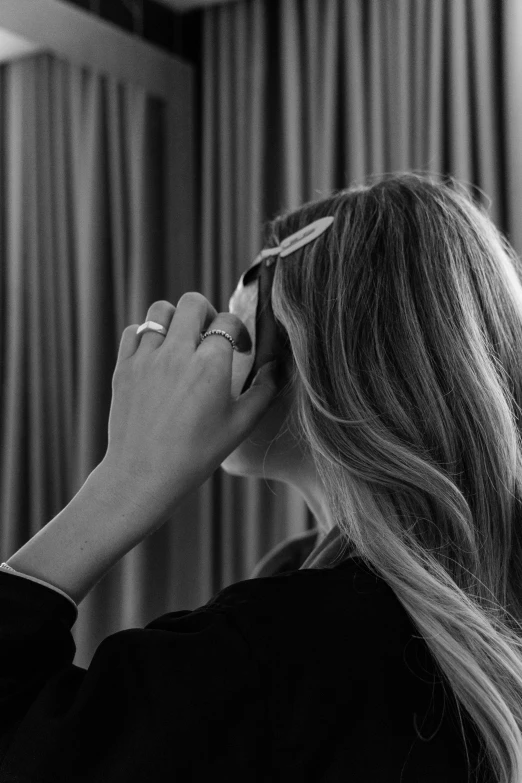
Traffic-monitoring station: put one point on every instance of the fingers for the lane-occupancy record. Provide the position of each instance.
(195, 315)
(128, 344)
(160, 312)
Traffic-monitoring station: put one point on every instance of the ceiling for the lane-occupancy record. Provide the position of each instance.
(191, 5)
(13, 46)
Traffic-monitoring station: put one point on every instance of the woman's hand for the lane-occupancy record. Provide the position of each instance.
(173, 420)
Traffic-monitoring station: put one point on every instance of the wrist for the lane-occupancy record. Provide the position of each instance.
(151, 502)
(101, 523)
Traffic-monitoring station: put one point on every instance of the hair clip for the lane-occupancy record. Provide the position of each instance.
(297, 240)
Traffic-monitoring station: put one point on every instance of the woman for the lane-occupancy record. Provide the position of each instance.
(393, 652)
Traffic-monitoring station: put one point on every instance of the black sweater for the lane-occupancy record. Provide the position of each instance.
(308, 675)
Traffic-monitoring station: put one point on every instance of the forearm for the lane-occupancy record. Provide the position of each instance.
(102, 522)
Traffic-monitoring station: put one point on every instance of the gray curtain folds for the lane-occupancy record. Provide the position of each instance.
(83, 255)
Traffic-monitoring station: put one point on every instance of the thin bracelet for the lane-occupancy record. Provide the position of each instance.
(4, 565)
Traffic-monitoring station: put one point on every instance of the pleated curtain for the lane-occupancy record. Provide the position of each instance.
(299, 97)
(82, 255)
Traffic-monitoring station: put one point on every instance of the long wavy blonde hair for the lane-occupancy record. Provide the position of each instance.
(404, 322)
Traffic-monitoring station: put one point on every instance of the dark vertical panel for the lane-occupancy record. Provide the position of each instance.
(3, 248)
(498, 42)
(179, 34)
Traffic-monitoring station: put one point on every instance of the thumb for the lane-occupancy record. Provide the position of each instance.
(253, 403)
(266, 375)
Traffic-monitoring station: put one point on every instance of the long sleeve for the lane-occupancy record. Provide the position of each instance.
(4, 568)
(180, 698)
